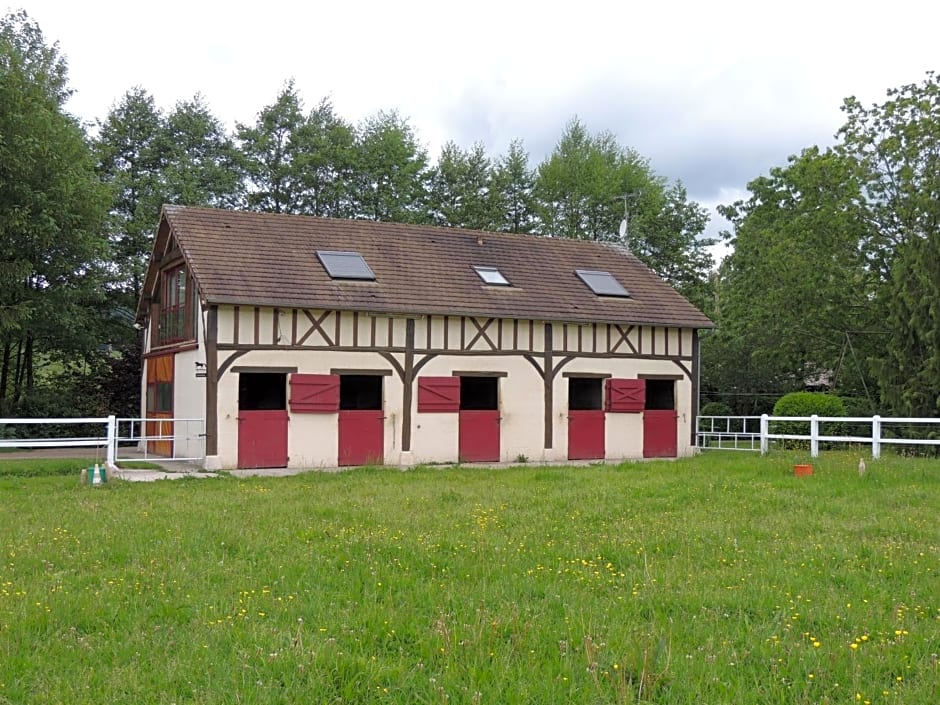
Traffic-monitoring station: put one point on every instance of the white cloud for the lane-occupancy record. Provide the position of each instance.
(714, 93)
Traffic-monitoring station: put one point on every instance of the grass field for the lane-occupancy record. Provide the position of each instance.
(719, 579)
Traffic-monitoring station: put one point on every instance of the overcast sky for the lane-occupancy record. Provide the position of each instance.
(713, 93)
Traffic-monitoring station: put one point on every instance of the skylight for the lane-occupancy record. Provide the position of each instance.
(602, 283)
(492, 275)
(345, 265)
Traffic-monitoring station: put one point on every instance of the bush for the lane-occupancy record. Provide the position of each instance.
(807, 404)
(716, 408)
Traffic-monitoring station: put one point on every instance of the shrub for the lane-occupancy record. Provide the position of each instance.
(807, 404)
(716, 408)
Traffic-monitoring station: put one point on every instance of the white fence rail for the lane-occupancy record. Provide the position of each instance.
(104, 439)
(753, 433)
(122, 439)
(185, 439)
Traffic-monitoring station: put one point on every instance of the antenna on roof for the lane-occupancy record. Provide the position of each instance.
(625, 223)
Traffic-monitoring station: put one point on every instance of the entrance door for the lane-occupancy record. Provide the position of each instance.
(160, 405)
(585, 419)
(478, 434)
(660, 420)
(361, 420)
(262, 420)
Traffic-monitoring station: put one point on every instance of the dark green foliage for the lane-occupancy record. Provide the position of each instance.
(806, 404)
(898, 146)
(513, 183)
(590, 183)
(391, 171)
(716, 408)
(809, 403)
(52, 206)
(461, 189)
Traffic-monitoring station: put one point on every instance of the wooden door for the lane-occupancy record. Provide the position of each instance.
(586, 429)
(262, 438)
(160, 405)
(478, 436)
(361, 437)
(660, 433)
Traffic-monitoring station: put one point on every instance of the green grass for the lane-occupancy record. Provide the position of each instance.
(42, 467)
(719, 579)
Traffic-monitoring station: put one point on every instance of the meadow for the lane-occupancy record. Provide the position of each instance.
(716, 579)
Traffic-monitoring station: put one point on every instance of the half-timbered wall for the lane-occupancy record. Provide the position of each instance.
(530, 357)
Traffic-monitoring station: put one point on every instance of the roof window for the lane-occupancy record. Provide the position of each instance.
(345, 265)
(492, 275)
(602, 283)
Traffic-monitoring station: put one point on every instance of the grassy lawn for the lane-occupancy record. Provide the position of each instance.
(719, 579)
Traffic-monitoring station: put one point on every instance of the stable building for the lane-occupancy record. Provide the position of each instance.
(317, 342)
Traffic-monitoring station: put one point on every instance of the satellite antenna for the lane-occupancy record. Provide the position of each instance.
(623, 229)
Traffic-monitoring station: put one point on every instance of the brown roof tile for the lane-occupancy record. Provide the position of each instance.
(269, 259)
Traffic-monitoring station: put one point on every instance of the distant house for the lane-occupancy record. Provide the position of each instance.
(317, 342)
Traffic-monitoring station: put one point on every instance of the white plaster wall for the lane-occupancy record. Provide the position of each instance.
(189, 402)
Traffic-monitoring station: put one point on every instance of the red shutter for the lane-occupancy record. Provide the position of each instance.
(625, 395)
(438, 394)
(314, 394)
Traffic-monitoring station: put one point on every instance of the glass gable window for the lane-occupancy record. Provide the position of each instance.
(177, 320)
(345, 265)
(492, 275)
(602, 283)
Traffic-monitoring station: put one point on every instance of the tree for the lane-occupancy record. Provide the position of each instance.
(200, 159)
(327, 163)
(131, 157)
(672, 245)
(796, 291)
(512, 186)
(581, 186)
(272, 151)
(51, 211)
(391, 171)
(897, 147)
(589, 184)
(460, 189)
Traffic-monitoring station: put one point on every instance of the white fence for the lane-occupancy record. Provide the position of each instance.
(753, 433)
(121, 439)
(165, 439)
(103, 440)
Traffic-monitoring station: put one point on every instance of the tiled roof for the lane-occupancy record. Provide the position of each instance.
(266, 259)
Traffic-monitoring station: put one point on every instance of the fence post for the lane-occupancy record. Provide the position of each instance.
(764, 430)
(876, 437)
(814, 436)
(112, 441)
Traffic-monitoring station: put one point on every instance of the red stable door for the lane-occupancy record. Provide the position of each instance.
(262, 439)
(660, 419)
(586, 419)
(361, 420)
(479, 437)
(586, 432)
(262, 420)
(361, 438)
(659, 433)
(479, 417)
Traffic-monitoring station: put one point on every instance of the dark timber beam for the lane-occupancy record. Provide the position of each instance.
(212, 381)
